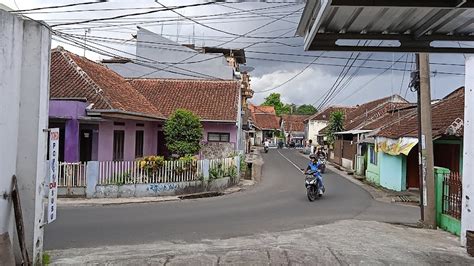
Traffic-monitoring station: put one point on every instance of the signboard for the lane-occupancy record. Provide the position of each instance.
(53, 173)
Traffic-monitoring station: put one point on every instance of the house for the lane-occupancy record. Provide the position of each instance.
(265, 123)
(106, 117)
(216, 102)
(314, 123)
(394, 155)
(348, 149)
(292, 127)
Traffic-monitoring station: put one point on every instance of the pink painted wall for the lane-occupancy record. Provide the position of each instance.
(221, 128)
(106, 137)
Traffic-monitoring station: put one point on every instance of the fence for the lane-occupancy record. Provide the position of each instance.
(136, 172)
(452, 195)
(222, 167)
(72, 175)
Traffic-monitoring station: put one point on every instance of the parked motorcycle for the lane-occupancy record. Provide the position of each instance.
(312, 185)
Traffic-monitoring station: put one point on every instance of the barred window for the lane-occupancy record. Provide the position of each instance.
(218, 137)
(139, 143)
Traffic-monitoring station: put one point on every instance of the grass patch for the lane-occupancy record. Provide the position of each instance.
(46, 258)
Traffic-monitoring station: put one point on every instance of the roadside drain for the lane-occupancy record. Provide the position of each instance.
(201, 195)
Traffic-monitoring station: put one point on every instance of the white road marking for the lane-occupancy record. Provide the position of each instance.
(292, 163)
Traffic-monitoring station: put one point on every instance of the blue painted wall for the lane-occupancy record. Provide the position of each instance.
(392, 171)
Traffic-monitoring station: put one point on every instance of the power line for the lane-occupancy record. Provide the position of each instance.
(293, 77)
(211, 15)
(213, 28)
(130, 15)
(372, 79)
(61, 6)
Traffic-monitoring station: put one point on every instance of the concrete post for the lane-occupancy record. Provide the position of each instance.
(467, 214)
(92, 178)
(427, 143)
(205, 170)
(237, 161)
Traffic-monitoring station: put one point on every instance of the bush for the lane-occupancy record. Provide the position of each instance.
(183, 133)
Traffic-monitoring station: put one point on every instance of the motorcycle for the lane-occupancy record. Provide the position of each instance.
(322, 164)
(265, 149)
(312, 185)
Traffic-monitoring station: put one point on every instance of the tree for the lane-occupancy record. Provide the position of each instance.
(274, 100)
(183, 133)
(336, 124)
(306, 109)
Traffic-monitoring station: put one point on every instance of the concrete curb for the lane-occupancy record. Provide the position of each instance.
(376, 194)
(81, 202)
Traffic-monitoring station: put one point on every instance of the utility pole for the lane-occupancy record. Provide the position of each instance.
(426, 143)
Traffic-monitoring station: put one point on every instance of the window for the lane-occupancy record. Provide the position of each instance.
(372, 155)
(119, 137)
(218, 137)
(139, 143)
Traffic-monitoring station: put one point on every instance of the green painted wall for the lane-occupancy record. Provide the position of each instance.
(444, 221)
(392, 171)
(373, 171)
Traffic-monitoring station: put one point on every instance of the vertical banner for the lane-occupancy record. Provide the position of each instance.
(53, 173)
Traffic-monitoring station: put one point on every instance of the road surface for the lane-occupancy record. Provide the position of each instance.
(276, 204)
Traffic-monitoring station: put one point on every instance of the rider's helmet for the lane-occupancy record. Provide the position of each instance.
(313, 157)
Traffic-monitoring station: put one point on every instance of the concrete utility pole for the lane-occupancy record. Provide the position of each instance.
(426, 143)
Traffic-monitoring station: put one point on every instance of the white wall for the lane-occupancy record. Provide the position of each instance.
(24, 86)
(467, 217)
(314, 126)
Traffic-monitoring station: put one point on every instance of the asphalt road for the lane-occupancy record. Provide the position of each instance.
(278, 203)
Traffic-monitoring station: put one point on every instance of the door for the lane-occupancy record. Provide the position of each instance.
(413, 174)
(447, 155)
(161, 146)
(86, 145)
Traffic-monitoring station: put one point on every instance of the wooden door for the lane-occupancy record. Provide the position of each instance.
(413, 174)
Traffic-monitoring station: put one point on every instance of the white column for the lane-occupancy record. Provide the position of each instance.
(467, 220)
(24, 90)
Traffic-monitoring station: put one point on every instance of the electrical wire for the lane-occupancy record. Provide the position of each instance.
(213, 28)
(60, 6)
(129, 15)
(292, 78)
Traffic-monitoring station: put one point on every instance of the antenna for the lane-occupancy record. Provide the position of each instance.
(85, 39)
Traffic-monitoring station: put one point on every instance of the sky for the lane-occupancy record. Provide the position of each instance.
(303, 83)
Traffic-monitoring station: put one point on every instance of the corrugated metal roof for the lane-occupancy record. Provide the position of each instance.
(415, 24)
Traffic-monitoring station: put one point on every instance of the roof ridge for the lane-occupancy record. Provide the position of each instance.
(183, 80)
(83, 74)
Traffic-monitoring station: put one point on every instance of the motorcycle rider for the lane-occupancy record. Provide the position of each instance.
(314, 167)
(320, 153)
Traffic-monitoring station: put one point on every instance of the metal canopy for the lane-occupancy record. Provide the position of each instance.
(415, 24)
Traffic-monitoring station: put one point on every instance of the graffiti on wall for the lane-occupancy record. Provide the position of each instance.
(162, 187)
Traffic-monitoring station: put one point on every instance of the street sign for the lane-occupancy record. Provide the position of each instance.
(53, 173)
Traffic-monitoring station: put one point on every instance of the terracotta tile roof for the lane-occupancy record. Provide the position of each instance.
(73, 76)
(363, 109)
(262, 109)
(326, 113)
(447, 117)
(264, 117)
(377, 117)
(371, 115)
(293, 123)
(266, 121)
(214, 100)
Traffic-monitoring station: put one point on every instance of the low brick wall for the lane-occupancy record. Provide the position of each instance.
(162, 189)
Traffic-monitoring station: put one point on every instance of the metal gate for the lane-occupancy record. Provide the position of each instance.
(72, 179)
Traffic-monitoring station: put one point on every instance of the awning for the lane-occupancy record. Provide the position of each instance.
(411, 25)
(396, 146)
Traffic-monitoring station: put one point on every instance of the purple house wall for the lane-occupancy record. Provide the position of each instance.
(73, 114)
